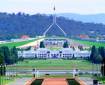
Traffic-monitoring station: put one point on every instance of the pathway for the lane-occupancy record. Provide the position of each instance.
(19, 81)
(55, 81)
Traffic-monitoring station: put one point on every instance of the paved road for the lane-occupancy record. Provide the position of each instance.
(88, 81)
(19, 81)
(49, 71)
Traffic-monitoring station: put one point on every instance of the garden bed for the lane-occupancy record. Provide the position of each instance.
(37, 82)
(72, 82)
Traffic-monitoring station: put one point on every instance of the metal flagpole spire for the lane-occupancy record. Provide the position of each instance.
(54, 23)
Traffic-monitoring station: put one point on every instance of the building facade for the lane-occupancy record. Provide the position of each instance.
(45, 53)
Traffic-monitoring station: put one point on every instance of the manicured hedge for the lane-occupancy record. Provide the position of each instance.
(37, 82)
(72, 82)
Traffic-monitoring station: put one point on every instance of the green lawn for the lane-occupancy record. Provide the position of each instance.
(90, 43)
(53, 64)
(55, 48)
(5, 80)
(16, 43)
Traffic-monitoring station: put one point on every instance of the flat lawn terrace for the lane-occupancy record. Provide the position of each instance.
(91, 43)
(12, 44)
(53, 64)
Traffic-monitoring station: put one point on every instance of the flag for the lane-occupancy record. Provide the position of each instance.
(54, 8)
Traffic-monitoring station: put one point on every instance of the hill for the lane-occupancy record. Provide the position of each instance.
(90, 18)
(16, 25)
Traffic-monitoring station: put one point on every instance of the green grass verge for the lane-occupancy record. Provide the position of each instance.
(4, 80)
(55, 48)
(10, 45)
(67, 75)
(53, 64)
(90, 43)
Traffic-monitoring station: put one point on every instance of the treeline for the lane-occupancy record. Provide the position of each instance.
(16, 25)
(97, 54)
(98, 57)
(8, 55)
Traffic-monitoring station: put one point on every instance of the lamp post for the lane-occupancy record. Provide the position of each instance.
(34, 72)
(0, 75)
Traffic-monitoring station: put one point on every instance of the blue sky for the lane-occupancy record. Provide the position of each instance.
(45, 6)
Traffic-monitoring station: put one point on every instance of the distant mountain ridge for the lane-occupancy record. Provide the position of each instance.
(16, 25)
(91, 18)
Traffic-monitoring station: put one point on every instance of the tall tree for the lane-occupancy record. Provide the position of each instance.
(2, 66)
(1, 59)
(103, 67)
(42, 45)
(98, 58)
(14, 55)
(6, 54)
(102, 51)
(93, 50)
(65, 45)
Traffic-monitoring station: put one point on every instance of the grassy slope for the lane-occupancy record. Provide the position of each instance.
(54, 64)
(16, 43)
(89, 43)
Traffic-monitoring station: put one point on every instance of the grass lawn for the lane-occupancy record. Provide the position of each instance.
(53, 64)
(10, 45)
(90, 43)
(55, 48)
(4, 80)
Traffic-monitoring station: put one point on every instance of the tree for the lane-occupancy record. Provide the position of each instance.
(14, 55)
(98, 58)
(93, 50)
(95, 56)
(103, 67)
(102, 51)
(1, 59)
(6, 53)
(80, 47)
(2, 66)
(65, 45)
(42, 45)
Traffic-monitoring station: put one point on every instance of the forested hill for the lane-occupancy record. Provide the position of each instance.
(15, 25)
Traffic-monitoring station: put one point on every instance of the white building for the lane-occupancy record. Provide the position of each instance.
(54, 54)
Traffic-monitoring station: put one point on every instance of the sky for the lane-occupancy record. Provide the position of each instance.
(46, 6)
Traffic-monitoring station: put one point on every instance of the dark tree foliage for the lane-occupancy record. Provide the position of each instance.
(103, 67)
(14, 55)
(65, 45)
(98, 56)
(80, 47)
(42, 45)
(102, 51)
(1, 59)
(15, 25)
(93, 50)
(95, 56)
(8, 56)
